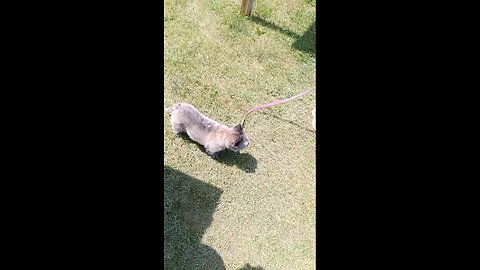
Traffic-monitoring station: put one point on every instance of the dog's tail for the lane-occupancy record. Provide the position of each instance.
(172, 108)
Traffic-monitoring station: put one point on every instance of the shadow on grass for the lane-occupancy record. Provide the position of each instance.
(188, 205)
(243, 161)
(273, 26)
(290, 122)
(249, 267)
(305, 42)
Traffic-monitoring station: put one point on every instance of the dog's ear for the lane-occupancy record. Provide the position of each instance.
(238, 128)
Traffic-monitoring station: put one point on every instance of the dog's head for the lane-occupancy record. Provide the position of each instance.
(237, 139)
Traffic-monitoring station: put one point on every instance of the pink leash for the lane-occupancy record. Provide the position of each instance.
(274, 103)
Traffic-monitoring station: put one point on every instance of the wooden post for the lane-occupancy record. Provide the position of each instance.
(247, 6)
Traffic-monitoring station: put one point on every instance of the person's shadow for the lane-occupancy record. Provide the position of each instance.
(188, 205)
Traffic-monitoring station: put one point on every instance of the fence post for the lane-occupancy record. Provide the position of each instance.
(247, 6)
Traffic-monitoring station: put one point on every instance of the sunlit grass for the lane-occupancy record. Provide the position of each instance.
(224, 64)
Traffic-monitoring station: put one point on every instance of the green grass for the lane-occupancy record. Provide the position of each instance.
(254, 210)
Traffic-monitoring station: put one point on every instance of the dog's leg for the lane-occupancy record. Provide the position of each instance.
(177, 129)
(212, 153)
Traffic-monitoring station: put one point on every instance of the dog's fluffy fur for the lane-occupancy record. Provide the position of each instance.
(214, 136)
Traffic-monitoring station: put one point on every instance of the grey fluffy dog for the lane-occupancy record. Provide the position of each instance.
(214, 136)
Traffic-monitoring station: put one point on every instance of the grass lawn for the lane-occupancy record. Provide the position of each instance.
(256, 209)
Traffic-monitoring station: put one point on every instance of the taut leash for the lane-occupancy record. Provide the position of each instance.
(274, 103)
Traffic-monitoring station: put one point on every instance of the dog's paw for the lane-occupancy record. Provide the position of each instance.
(213, 155)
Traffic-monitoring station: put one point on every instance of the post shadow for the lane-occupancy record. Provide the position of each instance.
(273, 26)
(305, 42)
(188, 205)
